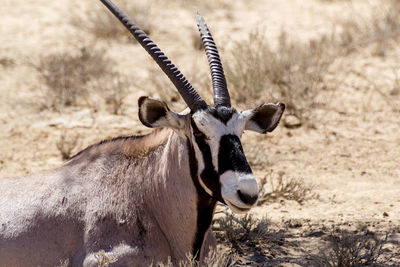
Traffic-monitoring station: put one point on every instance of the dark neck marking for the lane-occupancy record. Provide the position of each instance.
(205, 205)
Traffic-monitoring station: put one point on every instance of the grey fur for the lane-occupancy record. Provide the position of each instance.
(119, 196)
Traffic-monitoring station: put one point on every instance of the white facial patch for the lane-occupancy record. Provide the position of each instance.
(236, 187)
(201, 167)
(214, 129)
(231, 183)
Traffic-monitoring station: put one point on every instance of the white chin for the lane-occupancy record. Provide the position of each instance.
(237, 209)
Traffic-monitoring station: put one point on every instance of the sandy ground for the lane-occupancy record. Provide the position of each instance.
(350, 154)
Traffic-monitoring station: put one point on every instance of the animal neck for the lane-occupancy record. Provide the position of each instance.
(194, 206)
(205, 204)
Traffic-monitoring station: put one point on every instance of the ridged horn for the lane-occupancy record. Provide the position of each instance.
(186, 90)
(221, 94)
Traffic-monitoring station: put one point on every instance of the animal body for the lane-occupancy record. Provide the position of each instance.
(141, 199)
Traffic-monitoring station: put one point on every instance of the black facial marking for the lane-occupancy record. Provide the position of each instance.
(222, 113)
(209, 176)
(205, 205)
(231, 155)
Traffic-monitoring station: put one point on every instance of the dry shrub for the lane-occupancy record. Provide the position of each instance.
(213, 259)
(114, 91)
(67, 75)
(257, 156)
(196, 41)
(249, 237)
(105, 260)
(206, 6)
(291, 73)
(100, 22)
(282, 187)
(217, 258)
(395, 91)
(64, 263)
(381, 25)
(245, 229)
(77, 79)
(162, 87)
(331, 1)
(7, 62)
(391, 96)
(394, 95)
(345, 248)
(66, 144)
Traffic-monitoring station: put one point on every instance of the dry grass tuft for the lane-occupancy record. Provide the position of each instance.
(102, 24)
(206, 6)
(114, 91)
(214, 259)
(281, 188)
(291, 73)
(241, 229)
(64, 263)
(331, 1)
(162, 87)
(66, 144)
(251, 238)
(346, 248)
(67, 76)
(257, 156)
(105, 260)
(78, 79)
(7, 62)
(381, 26)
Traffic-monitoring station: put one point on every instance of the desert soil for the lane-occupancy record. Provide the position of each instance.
(349, 151)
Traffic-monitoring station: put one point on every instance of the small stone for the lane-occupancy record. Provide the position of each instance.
(292, 122)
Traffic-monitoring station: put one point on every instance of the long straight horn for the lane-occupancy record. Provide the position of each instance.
(221, 94)
(186, 90)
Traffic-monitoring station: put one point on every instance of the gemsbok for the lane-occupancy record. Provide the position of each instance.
(140, 199)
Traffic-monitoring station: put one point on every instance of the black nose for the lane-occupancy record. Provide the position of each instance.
(250, 200)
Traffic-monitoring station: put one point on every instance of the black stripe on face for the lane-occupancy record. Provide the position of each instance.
(231, 155)
(209, 176)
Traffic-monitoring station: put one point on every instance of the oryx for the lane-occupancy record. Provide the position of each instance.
(141, 199)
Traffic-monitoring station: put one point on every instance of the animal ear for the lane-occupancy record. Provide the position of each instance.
(156, 114)
(265, 118)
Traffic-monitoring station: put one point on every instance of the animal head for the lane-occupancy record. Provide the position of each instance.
(213, 132)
